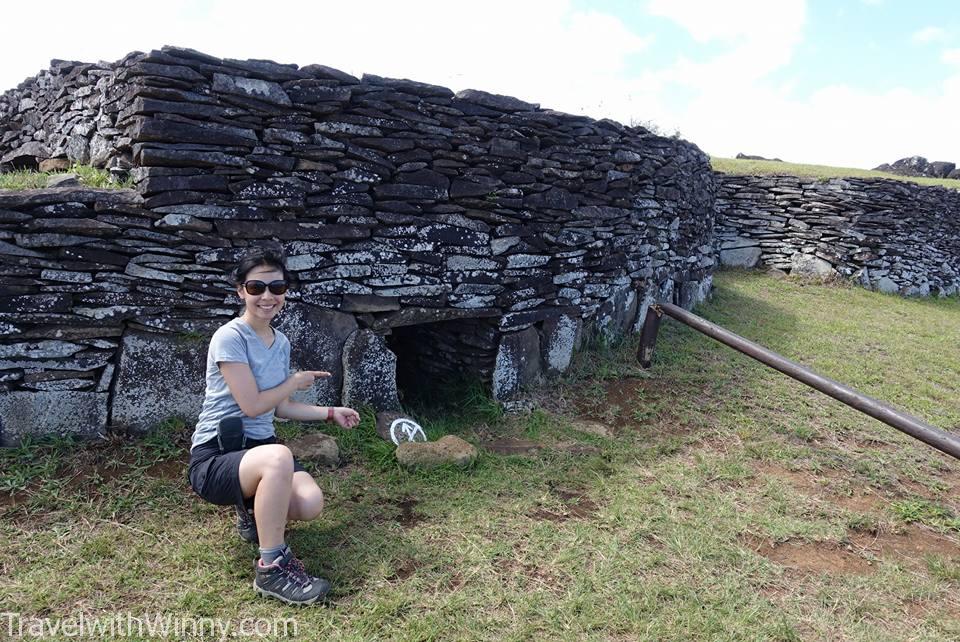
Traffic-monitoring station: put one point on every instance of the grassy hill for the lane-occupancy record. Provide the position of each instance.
(766, 167)
(709, 498)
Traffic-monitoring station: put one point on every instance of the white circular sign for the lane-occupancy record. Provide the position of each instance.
(404, 429)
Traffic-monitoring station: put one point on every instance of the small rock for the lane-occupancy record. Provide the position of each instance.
(401, 431)
(447, 450)
(64, 180)
(60, 164)
(316, 447)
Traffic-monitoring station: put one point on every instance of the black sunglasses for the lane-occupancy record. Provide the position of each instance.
(259, 287)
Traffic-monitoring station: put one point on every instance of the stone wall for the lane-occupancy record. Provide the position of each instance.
(888, 235)
(491, 233)
(66, 113)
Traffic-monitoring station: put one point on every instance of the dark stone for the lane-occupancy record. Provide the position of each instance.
(370, 372)
(474, 186)
(425, 177)
(87, 226)
(262, 90)
(159, 376)
(417, 316)
(36, 303)
(36, 197)
(317, 94)
(518, 363)
(495, 101)
(317, 338)
(289, 231)
(154, 129)
(329, 73)
(408, 86)
(411, 192)
(559, 339)
(187, 158)
(363, 303)
(27, 156)
(267, 69)
(61, 412)
(553, 198)
(199, 182)
(753, 157)
(167, 71)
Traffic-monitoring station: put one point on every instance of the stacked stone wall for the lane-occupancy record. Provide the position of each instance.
(397, 203)
(888, 235)
(65, 114)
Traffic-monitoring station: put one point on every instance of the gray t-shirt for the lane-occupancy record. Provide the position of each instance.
(237, 342)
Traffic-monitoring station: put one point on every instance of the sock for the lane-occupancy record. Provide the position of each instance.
(269, 555)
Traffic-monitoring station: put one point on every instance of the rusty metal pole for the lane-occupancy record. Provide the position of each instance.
(916, 428)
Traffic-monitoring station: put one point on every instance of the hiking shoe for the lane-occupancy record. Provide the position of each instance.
(287, 580)
(246, 526)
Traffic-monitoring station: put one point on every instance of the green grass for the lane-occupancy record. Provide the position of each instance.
(729, 503)
(89, 176)
(768, 167)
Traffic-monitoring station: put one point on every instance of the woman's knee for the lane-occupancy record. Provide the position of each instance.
(307, 500)
(268, 459)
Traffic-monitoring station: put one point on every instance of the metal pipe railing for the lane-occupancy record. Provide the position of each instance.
(916, 428)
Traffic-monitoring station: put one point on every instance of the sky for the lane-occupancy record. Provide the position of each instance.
(851, 83)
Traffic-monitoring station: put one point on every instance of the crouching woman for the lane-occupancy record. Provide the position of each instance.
(235, 458)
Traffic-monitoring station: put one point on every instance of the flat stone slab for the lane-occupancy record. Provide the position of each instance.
(60, 412)
(159, 376)
(449, 449)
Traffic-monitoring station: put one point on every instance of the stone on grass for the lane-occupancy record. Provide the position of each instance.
(159, 376)
(63, 180)
(744, 257)
(54, 164)
(369, 372)
(22, 414)
(316, 447)
(810, 266)
(431, 454)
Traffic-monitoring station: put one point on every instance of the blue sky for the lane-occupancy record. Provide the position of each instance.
(850, 82)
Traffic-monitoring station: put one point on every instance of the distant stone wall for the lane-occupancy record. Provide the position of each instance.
(469, 233)
(888, 235)
(68, 112)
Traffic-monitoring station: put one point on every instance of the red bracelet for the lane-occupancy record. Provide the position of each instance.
(329, 413)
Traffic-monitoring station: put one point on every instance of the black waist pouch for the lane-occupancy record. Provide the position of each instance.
(230, 435)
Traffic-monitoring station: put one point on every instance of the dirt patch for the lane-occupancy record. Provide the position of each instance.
(811, 557)
(170, 469)
(13, 499)
(406, 568)
(407, 517)
(513, 568)
(912, 544)
(574, 505)
(828, 486)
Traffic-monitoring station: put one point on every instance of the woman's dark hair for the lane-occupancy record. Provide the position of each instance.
(258, 255)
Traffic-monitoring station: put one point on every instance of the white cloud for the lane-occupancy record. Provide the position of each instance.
(950, 56)
(759, 37)
(539, 50)
(928, 34)
(542, 51)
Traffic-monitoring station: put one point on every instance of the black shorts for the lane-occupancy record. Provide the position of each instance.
(215, 476)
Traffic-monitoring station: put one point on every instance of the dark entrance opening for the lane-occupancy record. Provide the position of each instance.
(432, 358)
